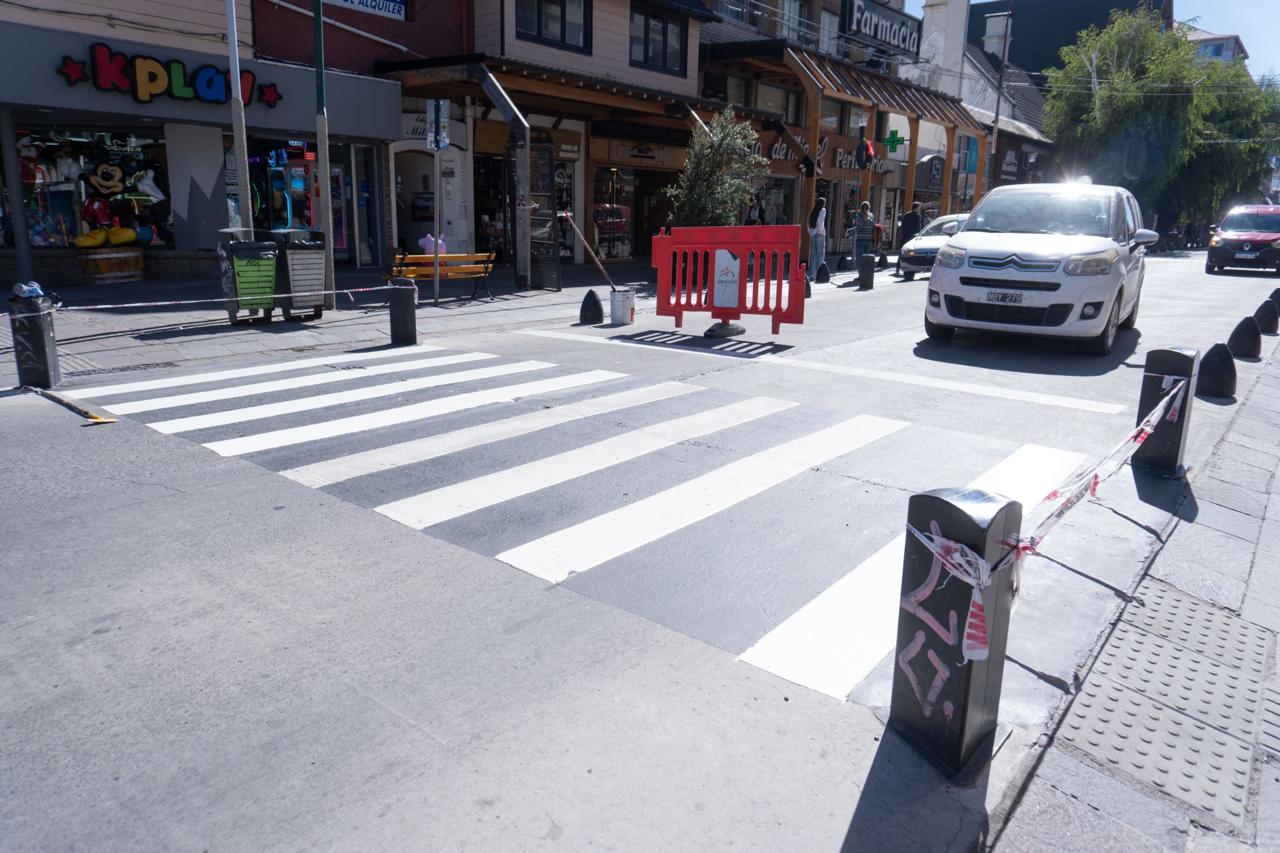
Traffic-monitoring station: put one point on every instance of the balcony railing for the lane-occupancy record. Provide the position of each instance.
(769, 20)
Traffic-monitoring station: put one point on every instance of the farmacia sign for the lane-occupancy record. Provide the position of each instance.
(883, 27)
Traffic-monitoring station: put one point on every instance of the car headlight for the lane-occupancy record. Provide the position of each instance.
(1276, 245)
(1215, 241)
(1099, 264)
(950, 258)
(908, 251)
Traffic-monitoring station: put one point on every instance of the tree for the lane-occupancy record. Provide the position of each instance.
(1132, 106)
(718, 169)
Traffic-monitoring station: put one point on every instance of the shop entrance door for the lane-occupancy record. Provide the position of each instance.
(652, 208)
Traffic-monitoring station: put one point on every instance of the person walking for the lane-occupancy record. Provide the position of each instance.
(864, 232)
(817, 236)
(908, 228)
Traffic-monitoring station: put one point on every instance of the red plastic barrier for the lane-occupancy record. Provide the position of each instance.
(731, 271)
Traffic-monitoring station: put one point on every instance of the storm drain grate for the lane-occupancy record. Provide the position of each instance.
(128, 368)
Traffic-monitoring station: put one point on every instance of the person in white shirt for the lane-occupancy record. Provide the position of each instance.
(817, 236)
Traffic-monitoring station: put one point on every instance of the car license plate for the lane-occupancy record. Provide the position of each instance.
(1246, 256)
(1004, 296)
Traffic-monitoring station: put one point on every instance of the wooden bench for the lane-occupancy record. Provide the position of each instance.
(453, 266)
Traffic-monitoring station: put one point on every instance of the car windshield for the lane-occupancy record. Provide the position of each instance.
(934, 228)
(1267, 222)
(1049, 212)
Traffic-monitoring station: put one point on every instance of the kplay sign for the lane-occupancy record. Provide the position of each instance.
(147, 78)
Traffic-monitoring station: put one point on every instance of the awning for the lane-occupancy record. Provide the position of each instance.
(844, 81)
(1009, 125)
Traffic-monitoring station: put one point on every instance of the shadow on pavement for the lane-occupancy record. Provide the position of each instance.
(734, 347)
(1167, 494)
(1028, 354)
(906, 804)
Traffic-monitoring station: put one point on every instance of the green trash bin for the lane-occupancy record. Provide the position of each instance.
(248, 277)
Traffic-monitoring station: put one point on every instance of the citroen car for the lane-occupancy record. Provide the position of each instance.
(1248, 236)
(918, 253)
(1065, 260)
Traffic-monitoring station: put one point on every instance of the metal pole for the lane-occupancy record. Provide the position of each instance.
(240, 144)
(995, 122)
(322, 161)
(13, 184)
(439, 199)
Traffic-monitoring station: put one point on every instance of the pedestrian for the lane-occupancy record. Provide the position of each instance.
(817, 236)
(755, 213)
(908, 228)
(864, 231)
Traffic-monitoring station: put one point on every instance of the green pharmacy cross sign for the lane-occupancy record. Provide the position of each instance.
(892, 141)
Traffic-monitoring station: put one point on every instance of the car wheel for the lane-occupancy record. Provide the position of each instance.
(1132, 320)
(936, 332)
(1210, 268)
(1106, 339)
(908, 276)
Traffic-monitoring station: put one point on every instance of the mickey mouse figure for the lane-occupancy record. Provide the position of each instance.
(105, 181)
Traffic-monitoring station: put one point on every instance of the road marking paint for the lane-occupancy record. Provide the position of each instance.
(319, 474)
(323, 401)
(94, 392)
(449, 502)
(1057, 400)
(590, 543)
(307, 381)
(405, 414)
(838, 638)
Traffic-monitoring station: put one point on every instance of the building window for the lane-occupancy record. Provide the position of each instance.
(657, 41)
(795, 22)
(563, 23)
(736, 90)
(830, 122)
(828, 38)
(786, 104)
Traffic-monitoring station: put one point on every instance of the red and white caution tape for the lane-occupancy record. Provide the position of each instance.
(219, 299)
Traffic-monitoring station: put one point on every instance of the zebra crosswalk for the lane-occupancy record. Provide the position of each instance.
(629, 491)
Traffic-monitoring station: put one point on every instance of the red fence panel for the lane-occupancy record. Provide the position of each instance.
(731, 271)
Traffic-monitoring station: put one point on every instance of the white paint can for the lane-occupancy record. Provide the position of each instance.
(622, 307)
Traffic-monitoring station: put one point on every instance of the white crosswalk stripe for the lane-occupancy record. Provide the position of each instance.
(324, 401)
(193, 398)
(343, 468)
(835, 640)
(405, 414)
(99, 391)
(590, 543)
(439, 505)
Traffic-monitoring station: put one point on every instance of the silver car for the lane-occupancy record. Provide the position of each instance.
(918, 253)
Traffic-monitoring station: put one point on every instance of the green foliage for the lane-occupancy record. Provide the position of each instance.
(716, 181)
(1132, 106)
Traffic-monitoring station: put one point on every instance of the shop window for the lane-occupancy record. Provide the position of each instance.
(76, 182)
(830, 121)
(736, 88)
(562, 23)
(857, 120)
(658, 41)
(771, 99)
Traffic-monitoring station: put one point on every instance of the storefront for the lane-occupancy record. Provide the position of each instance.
(629, 203)
(123, 137)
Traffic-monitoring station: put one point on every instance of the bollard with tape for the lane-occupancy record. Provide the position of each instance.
(866, 272)
(34, 346)
(404, 315)
(1162, 450)
(953, 623)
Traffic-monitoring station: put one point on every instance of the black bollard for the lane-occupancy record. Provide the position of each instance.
(946, 683)
(34, 346)
(823, 275)
(845, 264)
(1275, 297)
(866, 272)
(1217, 373)
(1268, 317)
(591, 312)
(404, 316)
(1162, 451)
(1246, 339)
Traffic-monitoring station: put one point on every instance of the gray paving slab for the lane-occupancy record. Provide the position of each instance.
(1206, 563)
(1222, 519)
(1239, 473)
(1249, 451)
(1230, 495)
(1201, 626)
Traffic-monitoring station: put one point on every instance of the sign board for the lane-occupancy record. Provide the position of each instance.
(724, 287)
(384, 8)
(433, 127)
(880, 26)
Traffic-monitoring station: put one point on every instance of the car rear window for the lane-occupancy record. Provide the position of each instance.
(1269, 222)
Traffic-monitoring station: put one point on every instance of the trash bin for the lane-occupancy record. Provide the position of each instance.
(248, 277)
(300, 272)
(34, 346)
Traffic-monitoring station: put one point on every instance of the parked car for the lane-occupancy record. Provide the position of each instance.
(1065, 260)
(918, 253)
(1248, 236)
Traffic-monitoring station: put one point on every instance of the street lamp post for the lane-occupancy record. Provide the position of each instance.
(324, 178)
(244, 214)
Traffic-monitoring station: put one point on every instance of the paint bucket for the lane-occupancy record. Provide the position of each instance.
(112, 264)
(622, 307)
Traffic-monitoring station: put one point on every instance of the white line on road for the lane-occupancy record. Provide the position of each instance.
(835, 640)
(308, 381)
(1077, 403)
(93, 393)
(319, 474)
(449, 502)
(405, 414)
(590, 543)
(324, 401)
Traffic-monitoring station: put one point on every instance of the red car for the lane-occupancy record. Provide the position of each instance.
(1249, 236)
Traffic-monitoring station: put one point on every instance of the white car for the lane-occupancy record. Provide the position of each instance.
(1065, 260)
(918, 253)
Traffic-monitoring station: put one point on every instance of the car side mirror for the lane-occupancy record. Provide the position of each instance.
(1146, 237)
(1213, 229)
(950, 228)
